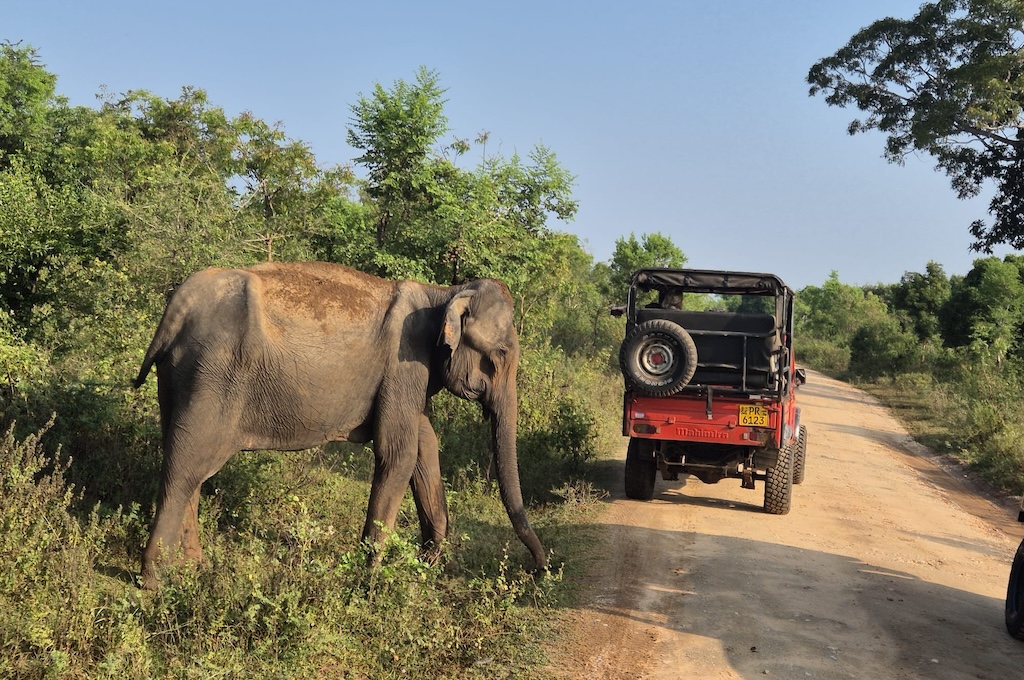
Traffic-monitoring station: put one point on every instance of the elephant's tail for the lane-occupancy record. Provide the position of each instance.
(147, 364)
(153, 354)
(170, 325)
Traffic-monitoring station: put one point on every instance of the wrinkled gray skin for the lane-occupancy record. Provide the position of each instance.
(290, 356)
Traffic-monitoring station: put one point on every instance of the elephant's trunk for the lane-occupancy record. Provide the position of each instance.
(504, 411)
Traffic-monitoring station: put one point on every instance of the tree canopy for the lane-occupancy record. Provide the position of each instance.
(436, 220)
(650, 250)
(108, 208)
(947, 82)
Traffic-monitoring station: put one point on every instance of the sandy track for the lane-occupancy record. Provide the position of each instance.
(888, 566)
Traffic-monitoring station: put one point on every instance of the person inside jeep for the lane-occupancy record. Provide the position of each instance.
(668, 299)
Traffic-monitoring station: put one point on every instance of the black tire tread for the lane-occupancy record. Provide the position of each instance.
(800, 456)
(778, 484)
(1015, 595)
(640, 474)
(687, 357)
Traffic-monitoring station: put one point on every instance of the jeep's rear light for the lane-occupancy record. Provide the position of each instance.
(644, 428)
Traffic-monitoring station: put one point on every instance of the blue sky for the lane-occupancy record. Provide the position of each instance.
(687, 118)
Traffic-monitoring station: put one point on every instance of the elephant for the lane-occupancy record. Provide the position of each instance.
(288, 356)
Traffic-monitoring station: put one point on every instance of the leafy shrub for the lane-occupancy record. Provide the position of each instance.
(109, 431)
(881, 347)
(289, 590)
(20, 362)
(823, 355)
(56, 615)
(978, 401)
(923, 383)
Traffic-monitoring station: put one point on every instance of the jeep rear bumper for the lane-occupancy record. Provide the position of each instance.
(691, 418)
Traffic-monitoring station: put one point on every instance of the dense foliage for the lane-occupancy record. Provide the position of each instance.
(103, 211)
(949, 344)
(946, 82)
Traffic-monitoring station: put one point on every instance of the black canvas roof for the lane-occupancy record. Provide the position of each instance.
(709, 281)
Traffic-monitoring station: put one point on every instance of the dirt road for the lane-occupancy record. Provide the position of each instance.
(888, 566)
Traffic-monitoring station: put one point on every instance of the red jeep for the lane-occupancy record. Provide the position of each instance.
(711, 382)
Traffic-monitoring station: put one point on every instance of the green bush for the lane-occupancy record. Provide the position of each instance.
(979, 400)
(58, 616)
(881, 347)
(823, 355)
(110, 209)
(288, 590)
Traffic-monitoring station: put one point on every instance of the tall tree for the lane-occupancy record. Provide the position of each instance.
(396, 130)
(921, 297)
(985, 310)
(438, 221)
(947, 82)
(630, 254)
(284, 206)
(45, 218)
(26, 95)
(835, 310)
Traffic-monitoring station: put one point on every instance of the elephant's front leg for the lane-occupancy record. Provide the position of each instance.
(394, 462)
(428, 489)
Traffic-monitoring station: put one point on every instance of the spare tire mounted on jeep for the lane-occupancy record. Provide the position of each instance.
(658, 357)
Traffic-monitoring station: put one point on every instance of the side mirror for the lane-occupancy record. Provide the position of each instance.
(617, 311)
(801, 376)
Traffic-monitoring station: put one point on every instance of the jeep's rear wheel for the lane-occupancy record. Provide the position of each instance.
(799, 455)
(658, 357)
(641, 471)
(778, 484)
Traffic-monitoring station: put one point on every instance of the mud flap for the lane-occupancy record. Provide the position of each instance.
(748, 477)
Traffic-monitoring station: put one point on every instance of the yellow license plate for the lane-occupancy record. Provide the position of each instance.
(753, 416)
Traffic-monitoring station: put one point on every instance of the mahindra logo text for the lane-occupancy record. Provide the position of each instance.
(696, 432)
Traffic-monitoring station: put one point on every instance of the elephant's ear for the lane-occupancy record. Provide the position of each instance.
(451, 330)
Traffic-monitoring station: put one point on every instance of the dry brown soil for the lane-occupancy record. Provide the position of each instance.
(890, 565)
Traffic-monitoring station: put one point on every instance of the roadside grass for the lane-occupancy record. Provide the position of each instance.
(967, 415)
(287, 591)
(920, 404)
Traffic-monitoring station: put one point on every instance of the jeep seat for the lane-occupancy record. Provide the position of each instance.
(733, 349)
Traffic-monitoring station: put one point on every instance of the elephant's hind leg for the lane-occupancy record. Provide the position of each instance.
(188, 462)
(165, 538)
(192, 550)
(428, 488)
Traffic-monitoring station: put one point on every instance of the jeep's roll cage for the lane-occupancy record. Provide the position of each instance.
(738, 352)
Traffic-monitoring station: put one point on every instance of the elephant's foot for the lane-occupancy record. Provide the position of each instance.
(149, 578)
(155, 562)
(153, 558)
(153, 573)
(191, 551)
(432, 552)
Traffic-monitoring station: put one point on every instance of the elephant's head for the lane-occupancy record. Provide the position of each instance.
(479, 331)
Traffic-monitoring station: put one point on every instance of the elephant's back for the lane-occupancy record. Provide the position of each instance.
(274, 309)
(319, 292)
(296, 346)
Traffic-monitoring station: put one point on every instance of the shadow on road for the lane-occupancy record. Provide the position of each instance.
(606, 475)
(815, 601)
